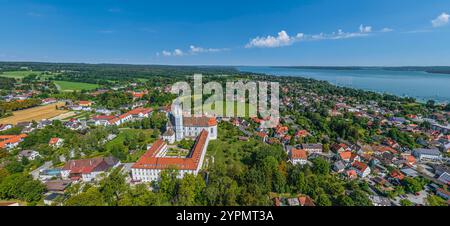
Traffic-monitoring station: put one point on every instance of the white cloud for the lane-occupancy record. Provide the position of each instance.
(166, 53)
(193, 50)
(178, 52)
(283, 39)
(441, 20)
(365, 29)
(386, 29)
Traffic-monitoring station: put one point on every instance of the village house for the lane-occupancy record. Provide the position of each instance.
(298, 156)
(11, 141)
(313, 148)
(4, 127)
(28, 154)
(48, 101)
(56, 142)
(84, 103)
(361, 169)
(88, 169)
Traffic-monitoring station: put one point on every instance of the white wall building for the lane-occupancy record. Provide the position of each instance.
(149, 167)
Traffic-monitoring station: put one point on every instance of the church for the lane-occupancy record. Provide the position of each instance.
(180, 126)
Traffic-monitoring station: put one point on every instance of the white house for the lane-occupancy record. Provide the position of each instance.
(4, 127)
(298, 156)
(88, 169)
(29, 154)
(56, 142)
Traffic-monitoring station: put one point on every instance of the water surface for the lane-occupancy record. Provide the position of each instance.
(418, 84)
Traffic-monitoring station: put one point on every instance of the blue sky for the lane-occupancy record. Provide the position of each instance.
(243, 32)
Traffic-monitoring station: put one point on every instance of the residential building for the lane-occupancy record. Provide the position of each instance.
(423, 154)
(313, 148)
(361, 169)
(88, 169)
(298, 156)
(56, 142)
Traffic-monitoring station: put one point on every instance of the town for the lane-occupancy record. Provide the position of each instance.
(87, 135)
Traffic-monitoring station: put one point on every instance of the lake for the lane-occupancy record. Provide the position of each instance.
(417, 84)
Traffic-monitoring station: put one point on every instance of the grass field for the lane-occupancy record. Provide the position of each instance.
(36, 113)
(74, 86)
(18, 74)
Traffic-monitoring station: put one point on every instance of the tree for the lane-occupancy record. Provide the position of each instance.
(412, 185)
(434, 200)
(323, 200)
(406, 202)
(430, 103)
(14, 167)
(187, 191)
(360, 198)
(168, 183)
(92, 197)
(113, 187)
(23, 187)
(321, 166)
(447, 107)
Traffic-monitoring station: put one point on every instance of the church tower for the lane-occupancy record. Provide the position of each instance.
(178, 116)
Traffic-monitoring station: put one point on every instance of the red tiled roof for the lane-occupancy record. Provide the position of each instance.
(361, 167)
(351, 173)
(301, 133)
(84, 166)
(11, 139)
(150, 160)
(137, 111)
(345, 155)
(53, 140)
(298, 153)
(103, 117)
(397, 174)
(84, 102)
(261, 134)
(199, 121)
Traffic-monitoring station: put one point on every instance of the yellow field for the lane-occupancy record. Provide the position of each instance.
(36, 113)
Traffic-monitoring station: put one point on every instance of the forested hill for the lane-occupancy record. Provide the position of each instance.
(117, 69)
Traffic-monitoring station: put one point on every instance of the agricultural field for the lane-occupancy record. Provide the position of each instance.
(35, 113)
(18, 74)
(74, 86)
(21, 74)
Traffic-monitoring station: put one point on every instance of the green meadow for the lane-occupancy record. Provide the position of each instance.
(18, 74)
(74, 86)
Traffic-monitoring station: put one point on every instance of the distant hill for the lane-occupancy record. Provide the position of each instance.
(430, 69)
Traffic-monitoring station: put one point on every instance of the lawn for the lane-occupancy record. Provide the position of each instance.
(227, 149)
(74, 86)
(127, 135)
